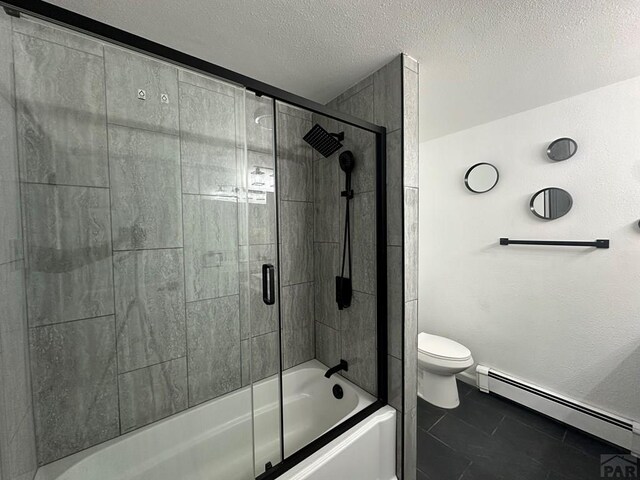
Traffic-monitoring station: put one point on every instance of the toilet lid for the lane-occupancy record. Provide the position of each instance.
(441, 347)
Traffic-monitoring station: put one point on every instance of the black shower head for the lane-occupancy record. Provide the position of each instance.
(324, 142)
(347, 161)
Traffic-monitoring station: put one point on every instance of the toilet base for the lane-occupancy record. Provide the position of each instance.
(439, 390)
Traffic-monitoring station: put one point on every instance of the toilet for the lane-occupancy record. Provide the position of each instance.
(439, 359)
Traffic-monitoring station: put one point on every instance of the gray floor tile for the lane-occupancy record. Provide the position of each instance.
(437, 460)
(428, 414)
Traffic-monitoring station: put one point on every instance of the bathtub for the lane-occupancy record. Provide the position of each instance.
(215, 440)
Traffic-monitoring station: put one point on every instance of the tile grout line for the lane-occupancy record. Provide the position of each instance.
(113, 267)
(184, 243)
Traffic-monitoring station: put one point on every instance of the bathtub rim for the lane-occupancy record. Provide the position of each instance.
(54, 470)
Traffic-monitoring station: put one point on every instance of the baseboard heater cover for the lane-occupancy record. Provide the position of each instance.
(611, 428)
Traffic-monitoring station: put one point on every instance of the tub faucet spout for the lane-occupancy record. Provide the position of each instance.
(343, 365)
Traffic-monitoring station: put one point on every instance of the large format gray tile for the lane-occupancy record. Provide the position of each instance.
(6, 61)
(256, 318)
(395, 302)
(259, 134)
(394, 387)
(257, 214)
(210, 247)
(363, 241)
(410, 355)
(296, 237)
(395, 192)
(149, 286)
(326, 259)
(387, 85)
(11, 231)
(410, 453)
(264, 356)
(295, 159)
(62, 127)
(145, 189)
(410, 128)
(74, 386)
(360, 104)
(126, 74)
(298, 330)
(56, 34)
(151, 393)
(351, 91)
(410, 63)
(294, 111)
(19, 452)
(358, 328)
(327, 184)
(209, 83)
(15, 383)
(207, 140)
(410, 244)
(328, 347)
(363, 146)
(213, 333)
(69, 273)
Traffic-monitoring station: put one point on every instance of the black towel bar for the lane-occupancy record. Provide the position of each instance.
(600, 243)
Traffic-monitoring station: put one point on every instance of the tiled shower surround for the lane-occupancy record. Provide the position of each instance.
(388, 97)
(144, 295)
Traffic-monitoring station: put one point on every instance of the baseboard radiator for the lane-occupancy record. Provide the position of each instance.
(612, 428)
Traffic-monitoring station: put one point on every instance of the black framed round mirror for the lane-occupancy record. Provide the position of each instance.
(551, 203)
(481, 178)
(562, 149)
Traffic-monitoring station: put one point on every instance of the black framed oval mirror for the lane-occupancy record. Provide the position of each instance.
(551, 203)
(481, 177)
(562, 149)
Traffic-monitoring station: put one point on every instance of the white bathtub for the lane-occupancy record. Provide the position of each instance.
(214, 440)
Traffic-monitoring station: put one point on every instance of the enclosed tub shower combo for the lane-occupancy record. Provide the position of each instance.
(196, 262)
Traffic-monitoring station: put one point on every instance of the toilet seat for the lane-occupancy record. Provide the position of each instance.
(442, 348)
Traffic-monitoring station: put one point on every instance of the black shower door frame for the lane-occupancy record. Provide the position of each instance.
(94, 28)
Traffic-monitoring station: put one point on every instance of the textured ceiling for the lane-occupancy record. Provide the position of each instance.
(480, 59)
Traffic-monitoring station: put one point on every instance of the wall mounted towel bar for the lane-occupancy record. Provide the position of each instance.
(600, 243)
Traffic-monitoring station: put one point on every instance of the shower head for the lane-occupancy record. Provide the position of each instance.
(347, 161)
(324, 142)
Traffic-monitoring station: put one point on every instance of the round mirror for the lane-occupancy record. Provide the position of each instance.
(551, 203)
(562, 149)
(481, 178)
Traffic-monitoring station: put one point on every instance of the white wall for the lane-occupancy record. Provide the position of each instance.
(564, 318)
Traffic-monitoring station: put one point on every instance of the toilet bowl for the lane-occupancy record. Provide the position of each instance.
(439, 359)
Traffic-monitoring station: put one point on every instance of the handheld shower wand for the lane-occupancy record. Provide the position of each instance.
(344, 289)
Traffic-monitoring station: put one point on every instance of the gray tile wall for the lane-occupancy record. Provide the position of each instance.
(349, 334)
(138, 251)
(295, 189)
(17, 431)
(389, 97)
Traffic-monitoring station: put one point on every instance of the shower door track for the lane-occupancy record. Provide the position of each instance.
(80, 23)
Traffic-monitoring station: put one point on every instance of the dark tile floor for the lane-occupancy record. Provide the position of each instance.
(488, 437)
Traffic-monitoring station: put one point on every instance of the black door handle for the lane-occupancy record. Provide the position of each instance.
(268, 284)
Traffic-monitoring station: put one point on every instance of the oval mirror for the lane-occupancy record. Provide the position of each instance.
(551, 203)
(481, 178)
(562, 149)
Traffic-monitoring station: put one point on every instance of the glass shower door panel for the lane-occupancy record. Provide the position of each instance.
(259, 289)
(132, 208)
(312, 219)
